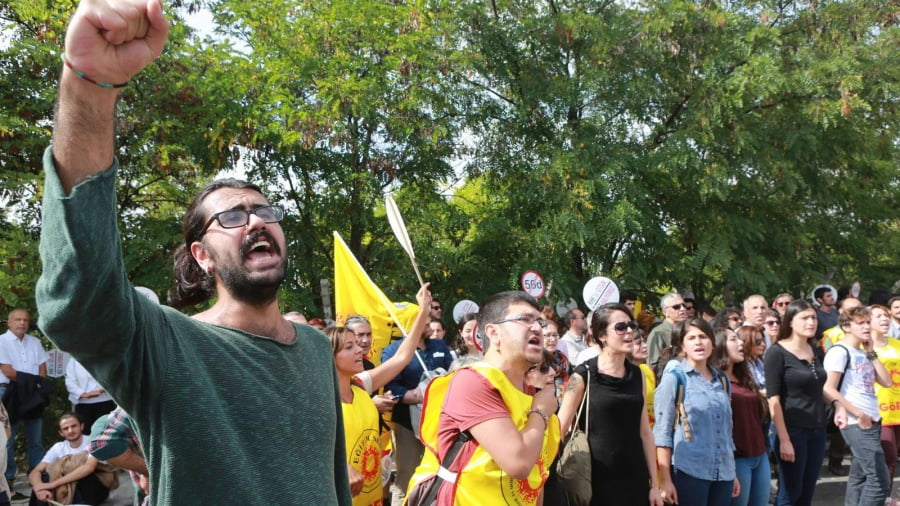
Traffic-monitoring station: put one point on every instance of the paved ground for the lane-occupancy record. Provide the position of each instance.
(829, 490)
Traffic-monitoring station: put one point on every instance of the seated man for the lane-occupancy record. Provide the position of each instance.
(67, 472)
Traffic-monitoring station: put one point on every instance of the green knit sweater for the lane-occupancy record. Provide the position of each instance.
(224, 416)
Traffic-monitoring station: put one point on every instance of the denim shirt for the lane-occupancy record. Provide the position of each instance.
(709, 455)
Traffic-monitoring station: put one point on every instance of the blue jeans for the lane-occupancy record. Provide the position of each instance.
(35, 450)
(868, 481)
(797, 479)
(753, 474)
(695, 491)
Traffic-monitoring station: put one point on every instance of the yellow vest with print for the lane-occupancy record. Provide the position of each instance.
(889, 398)
(363, 443)
(481, 481)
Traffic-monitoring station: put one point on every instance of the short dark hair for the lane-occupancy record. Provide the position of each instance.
(494, 308)
(820, 292)
(600, 320)
(569, 316)
(627, 295)
(193, 285)
(71, 414)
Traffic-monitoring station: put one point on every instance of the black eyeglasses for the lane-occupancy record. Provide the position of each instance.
(436, 306)
(772, 322)
(622, 327)
(527, 320)
(677, 307)
(234, 218)
(735, 318)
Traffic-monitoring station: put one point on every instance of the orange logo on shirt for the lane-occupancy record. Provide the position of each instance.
(366, 458)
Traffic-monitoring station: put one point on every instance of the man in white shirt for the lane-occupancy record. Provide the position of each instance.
(853, 369)
(21, 352)
(572, 342)
(755, 311)
(88, 489)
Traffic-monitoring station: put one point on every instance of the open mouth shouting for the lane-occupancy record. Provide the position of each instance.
(260, 247)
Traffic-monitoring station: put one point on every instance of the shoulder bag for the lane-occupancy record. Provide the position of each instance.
(574, 466)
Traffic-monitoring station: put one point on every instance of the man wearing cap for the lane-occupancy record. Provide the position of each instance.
(268, 385)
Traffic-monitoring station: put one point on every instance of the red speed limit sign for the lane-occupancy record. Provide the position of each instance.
(533, 284)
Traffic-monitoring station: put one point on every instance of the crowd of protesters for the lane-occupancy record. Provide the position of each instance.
(731, 398)
(237, 404)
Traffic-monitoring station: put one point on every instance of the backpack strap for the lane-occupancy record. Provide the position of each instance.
(444, 474)
(680, 413)
(846, 363)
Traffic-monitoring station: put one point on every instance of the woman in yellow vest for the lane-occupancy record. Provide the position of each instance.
(514, 433)
(362, 427)
(888, 350)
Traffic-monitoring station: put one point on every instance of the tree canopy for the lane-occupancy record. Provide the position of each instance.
(724, 148)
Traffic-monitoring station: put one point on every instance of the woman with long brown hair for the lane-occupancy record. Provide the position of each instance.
(749, 410)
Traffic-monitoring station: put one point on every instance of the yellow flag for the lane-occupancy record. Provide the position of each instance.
(356, 294)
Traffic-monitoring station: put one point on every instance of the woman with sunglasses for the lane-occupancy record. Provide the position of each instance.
(729, 317)
(696, 454)
(623, 467)
(795, 377)
(749, 408)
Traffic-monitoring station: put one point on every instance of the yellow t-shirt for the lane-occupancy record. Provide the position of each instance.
(649, 387)
(889, 398)
(363, 441)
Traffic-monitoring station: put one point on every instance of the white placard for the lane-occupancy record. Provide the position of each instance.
(462, 308)
(599, 291)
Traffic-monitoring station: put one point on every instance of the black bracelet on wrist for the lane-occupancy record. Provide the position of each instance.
(871, 356)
